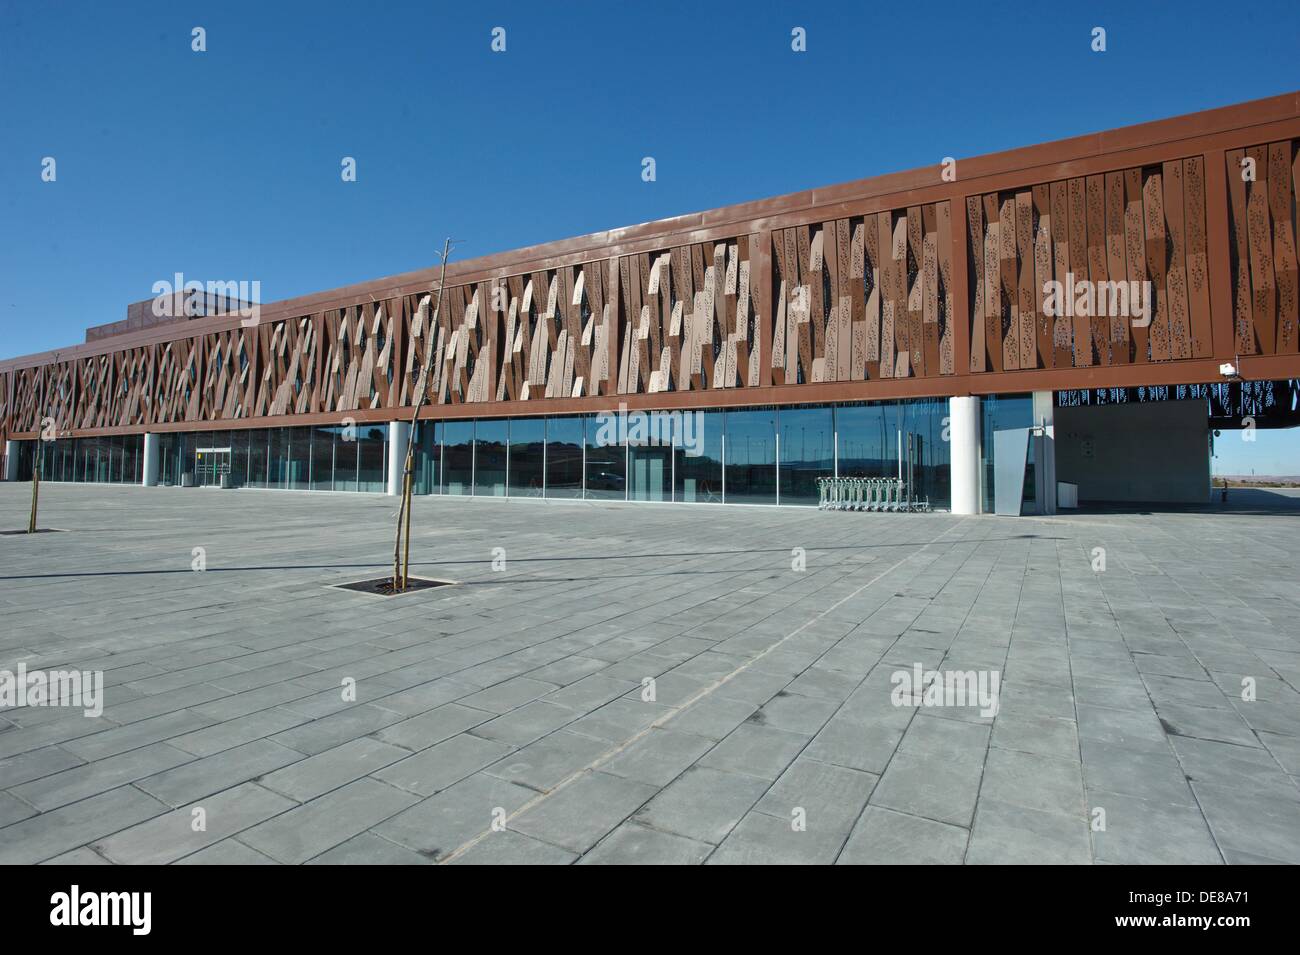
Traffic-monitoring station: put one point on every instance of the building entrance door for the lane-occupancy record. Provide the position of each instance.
(210, 465)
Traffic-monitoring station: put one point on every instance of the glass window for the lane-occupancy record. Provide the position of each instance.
(606, 459)
(238, 443)
(278, 458)
(189, 443)
(103, 461)
(807, 452)
(527, 456)
(874, 438)
(345, 457)
(564, 457)
(866, 440)
(26, 459)
(650, 438)
(697, 455)
(458, 457)
(110, 459)
(372, 457)
(750, 457)
(650, 473)
(1001, 413)
(491, 439)
(166, 460)
(323, 439)
(428, 456)
(257, 446)
(925, 450)
(299, 458)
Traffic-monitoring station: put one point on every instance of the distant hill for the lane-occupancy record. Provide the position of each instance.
(1259, 480)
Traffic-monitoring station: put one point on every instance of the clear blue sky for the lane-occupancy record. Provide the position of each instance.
(225, 164)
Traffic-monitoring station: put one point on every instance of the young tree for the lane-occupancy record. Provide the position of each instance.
(47, 373)
(402, 543)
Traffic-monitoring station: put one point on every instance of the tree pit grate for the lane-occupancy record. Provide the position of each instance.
(383, 586)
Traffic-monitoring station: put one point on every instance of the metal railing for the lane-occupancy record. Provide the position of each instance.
(867, 494)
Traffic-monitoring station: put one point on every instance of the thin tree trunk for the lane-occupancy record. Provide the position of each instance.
(404, 512)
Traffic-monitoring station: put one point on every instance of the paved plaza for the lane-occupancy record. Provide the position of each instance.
(644, 683)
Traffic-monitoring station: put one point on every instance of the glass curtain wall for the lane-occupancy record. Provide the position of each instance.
(298, 459)
(527, 457)
(650, 440)
(744, 456)
(697, 459)
(458, 457)
(564, 440)
(114, 459)
(258, 460)
(372, 457)
(491, 440)
(750, 457)
(428, 457)
(897, 439)
(606, 460)
(323, 439)
(807, 452)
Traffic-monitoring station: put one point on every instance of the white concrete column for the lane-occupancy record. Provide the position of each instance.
(398, 434)
(1045, 469)
(11, 460)
(964, 453)
(149, 473)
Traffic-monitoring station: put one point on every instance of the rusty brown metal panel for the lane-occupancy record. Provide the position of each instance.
(857, 285)
(1198, 275)
(1220, 257)
(888, 295)
(914, 291)
(776, 364)
(843, 304)
(930, 289)
(1116, 266)
(947, 298)
(1026, 300)
(796, 308)
(191, 375)
(1098, 322)
(993, 332)
(1282, 211)
(903, 365)
(1079, 269)
(975, 267)
(810, 264)
(760, 294)
(1042, 239)
(1135, 254)
(1180, 338)
(828, 257)
(1260, 240)
(1153, 215)
(610, 320)
(1009, 300)
(1062, 326)
(872, 272)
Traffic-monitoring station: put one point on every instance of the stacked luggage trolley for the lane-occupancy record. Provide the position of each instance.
(867, 494)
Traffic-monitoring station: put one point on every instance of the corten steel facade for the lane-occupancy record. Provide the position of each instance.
(908, 285)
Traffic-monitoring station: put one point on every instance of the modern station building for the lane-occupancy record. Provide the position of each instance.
(1002, 333)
